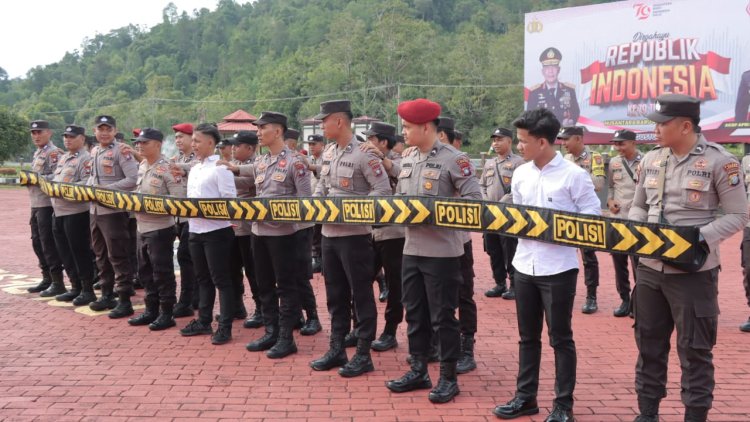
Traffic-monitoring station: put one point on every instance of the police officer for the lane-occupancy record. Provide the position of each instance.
(188, 300)
(291, 137)
(495, 182)
(156, 235)
(745, 245)
(280, 250)
(224, 150)
(431, 267)
(592, 162)
(44, 163)
(622, 176)
(552, 94)
(347, 250)
(71, 225)
(388, 241)
(742, 104)
(115, 168)
(683, 181)
(316, 143)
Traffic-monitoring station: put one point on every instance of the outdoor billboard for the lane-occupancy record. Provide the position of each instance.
(602, 66)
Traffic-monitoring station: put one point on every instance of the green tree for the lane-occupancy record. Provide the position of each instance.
(13, 134)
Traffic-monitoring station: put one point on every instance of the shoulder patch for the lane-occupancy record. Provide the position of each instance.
(376, 166)
(464, 165)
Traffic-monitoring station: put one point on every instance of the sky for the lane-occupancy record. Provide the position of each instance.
(40, 32)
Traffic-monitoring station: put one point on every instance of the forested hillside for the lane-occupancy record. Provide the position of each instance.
(288, 55)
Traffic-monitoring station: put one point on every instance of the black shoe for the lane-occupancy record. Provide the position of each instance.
(284, 346)
(510, 294)
(69, 296)
(466, 362)
(84, 299)
(255, 321)
(746, 326)
(384, 342)
(416, 379)
(447, 387)
(195, 328)
(350, 340)
(122, 310)
(649, 410)
(143, 319)
(515, 408)
(560, 415)
(222, 335)
(103, 303)
(590, 306)
(496, 291)
(98, 285)
(42, 286)
(311, 327)
(55, 289)
(265, 342)
(360, 363)
(163, 322)
(335, 356)
(182, 310)
(623, 310)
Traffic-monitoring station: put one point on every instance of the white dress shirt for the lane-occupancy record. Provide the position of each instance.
(207, 180)
(559, 185)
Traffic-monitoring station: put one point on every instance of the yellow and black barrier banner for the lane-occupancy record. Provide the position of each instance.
(675, 243)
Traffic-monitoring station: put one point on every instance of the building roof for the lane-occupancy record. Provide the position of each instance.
(236, 126)
(240, 116)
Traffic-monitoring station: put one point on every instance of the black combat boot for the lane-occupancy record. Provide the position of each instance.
(87, 293)
(335, 356)
(57, 287)
(165, 319)
(387, 340)
(350, 340)
(312, 325)
(75, 290)
(590, 306)
(284, 346)
(256, 319)
(417, 378)
(466, 362)
(496, 291)
(360, 363)
(42, 286)
(123, 309)
(106, 301)
(447, 387)
(149, 315)
(696, 414)
(182, 310)
(382, 287)
(266, 341)
(649, 409)
(623, 310)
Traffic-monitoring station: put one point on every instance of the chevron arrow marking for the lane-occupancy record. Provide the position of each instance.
(262, 210)
(520, 221)
(250, 210)
(654, 242)
(322, 210)
(334, 210)
(136, 203)
(128, 202)
(628, 238)
(422, 211)
(237, 210)
(541, 225)
(680, 244)
(310, 210)
(389, 211)
(404, 210)
(172, 207)
(500, 218)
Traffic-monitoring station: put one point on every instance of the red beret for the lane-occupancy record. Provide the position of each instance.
(136, 132)
(419, 111)
(185, 128)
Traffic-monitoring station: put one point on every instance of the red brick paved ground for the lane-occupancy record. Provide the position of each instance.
(59, 365)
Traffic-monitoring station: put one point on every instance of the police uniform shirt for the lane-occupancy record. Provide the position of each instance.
(696, 186)
(391, 232)
(561, 100)
(113, 168)
(350, 171)
(593, 163)
(184, 161)
(72, 167)
(445, 172)
(284, 174)
(44, 164)
(183, 158)
(497, 177)
(245, 189)
(623, 177)
(315, 164)
(157, 179)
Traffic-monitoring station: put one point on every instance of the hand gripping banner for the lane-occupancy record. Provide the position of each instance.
(661, 241)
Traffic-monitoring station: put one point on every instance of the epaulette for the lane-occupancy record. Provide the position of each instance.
(537, 86)
(567, 85)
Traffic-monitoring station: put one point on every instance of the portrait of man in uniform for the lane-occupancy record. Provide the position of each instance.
(559, 97)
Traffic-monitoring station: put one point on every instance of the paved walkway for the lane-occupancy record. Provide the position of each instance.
(58, 363)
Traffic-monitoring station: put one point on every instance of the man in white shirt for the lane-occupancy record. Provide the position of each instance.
(546, 274)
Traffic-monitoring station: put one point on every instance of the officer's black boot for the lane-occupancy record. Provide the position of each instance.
(57, 287)
(360, 363)
(183, 310)
(382, 286)
(284, 346)
(696, 414)
(466, 362)
(590, 306)
(87, 293)
(124, 308)
(75, 290)
(496, 291)
(350, 340)
(42, 286)
(623, 310)
(149, 315)
(266, 341)
(746, 326)
(312, 325)
(165, 319)
(106, 301)
(649, 409)
(447, 387)
(387, 340)
(335, 356)
(256, 319)
(417, 378)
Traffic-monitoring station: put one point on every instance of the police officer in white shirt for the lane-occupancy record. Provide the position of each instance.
(546, 274)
